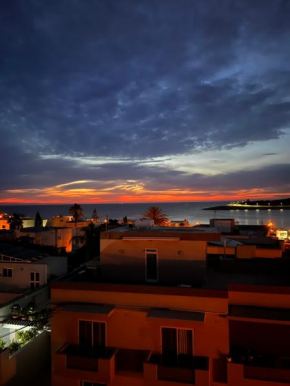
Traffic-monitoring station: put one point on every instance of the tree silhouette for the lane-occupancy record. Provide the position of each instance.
(15, 221)
(157, 215)
(77, 212)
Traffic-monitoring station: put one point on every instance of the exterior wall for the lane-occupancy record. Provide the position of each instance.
(56, 265)
(56, 237)
(30, 222)
(220, 250)
(259, 296)
(31, 360)
(4, 224)
(245, 251)
(180, 262)
(7, 367)
(68, 222)
(268, 253)
(129, 327)
(20, 275)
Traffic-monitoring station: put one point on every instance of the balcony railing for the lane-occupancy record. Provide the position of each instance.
(130, 361)
(263, 367)
(182, 369)
(86, 359)
(97, 364)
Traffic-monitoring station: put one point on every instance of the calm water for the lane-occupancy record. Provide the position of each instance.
(192, 211)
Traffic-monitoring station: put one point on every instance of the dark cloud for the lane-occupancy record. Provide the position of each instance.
(133, 79)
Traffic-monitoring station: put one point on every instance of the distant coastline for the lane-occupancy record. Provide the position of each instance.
(283, 204)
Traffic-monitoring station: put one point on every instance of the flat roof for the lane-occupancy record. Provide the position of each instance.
(21, 253)
(139, 288)
(183, 233)
(166, 229)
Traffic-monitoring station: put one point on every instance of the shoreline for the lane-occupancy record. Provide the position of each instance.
(249, 207)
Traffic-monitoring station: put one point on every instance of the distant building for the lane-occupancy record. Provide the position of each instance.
(68, 222)
(22, 269)
(69, 239)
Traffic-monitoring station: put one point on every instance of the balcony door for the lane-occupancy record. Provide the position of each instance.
(92, 334)
(151, 261)
(177, 345)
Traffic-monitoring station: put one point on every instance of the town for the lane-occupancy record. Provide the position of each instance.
(143, 302)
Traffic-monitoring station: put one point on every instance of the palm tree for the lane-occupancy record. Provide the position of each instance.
(157, 215)
(77, 212)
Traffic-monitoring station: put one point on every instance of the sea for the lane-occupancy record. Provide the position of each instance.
(191, 211)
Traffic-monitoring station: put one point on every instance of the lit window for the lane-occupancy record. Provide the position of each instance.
(34, 280)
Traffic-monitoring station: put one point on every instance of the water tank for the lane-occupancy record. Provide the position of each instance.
(144, 223)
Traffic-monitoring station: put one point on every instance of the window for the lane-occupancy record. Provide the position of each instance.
(7, 272)
(92, 334)
(34, 280)
(151, 261)
(87, 383)
(176, 343)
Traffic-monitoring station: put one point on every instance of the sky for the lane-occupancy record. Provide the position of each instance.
(144, 101)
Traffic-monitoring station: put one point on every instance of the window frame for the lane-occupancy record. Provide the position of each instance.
(151, 251)
(177, 346)
(8, 270)
(92, 321)
(34, 283)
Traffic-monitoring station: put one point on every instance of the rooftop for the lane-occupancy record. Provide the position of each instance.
(10, 252)
(192, 233)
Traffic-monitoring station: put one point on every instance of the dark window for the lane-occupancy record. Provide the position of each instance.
(86, 383)
(7, 272)
(32, 276)
(37, 276)
(92, 334)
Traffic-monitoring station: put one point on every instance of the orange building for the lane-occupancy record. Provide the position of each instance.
(117, 334)
(152, 333)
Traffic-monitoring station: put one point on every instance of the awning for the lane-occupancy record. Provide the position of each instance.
(88, 308)
(176, 315)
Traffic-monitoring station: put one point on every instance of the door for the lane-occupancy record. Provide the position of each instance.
(151, 265)
(177, 345)
(92, 334)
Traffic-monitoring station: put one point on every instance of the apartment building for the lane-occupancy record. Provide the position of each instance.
(118, 334)
(117, 328)
(156, 255)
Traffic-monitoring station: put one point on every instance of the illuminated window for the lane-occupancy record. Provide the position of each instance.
(34, 280)
(7, 272)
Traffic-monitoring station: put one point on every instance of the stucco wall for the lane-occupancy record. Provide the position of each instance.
(179, 262)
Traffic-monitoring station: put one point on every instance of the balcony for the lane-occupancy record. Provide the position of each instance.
(129, 363)
(176, 370)
(96, 364)
(249, 370)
